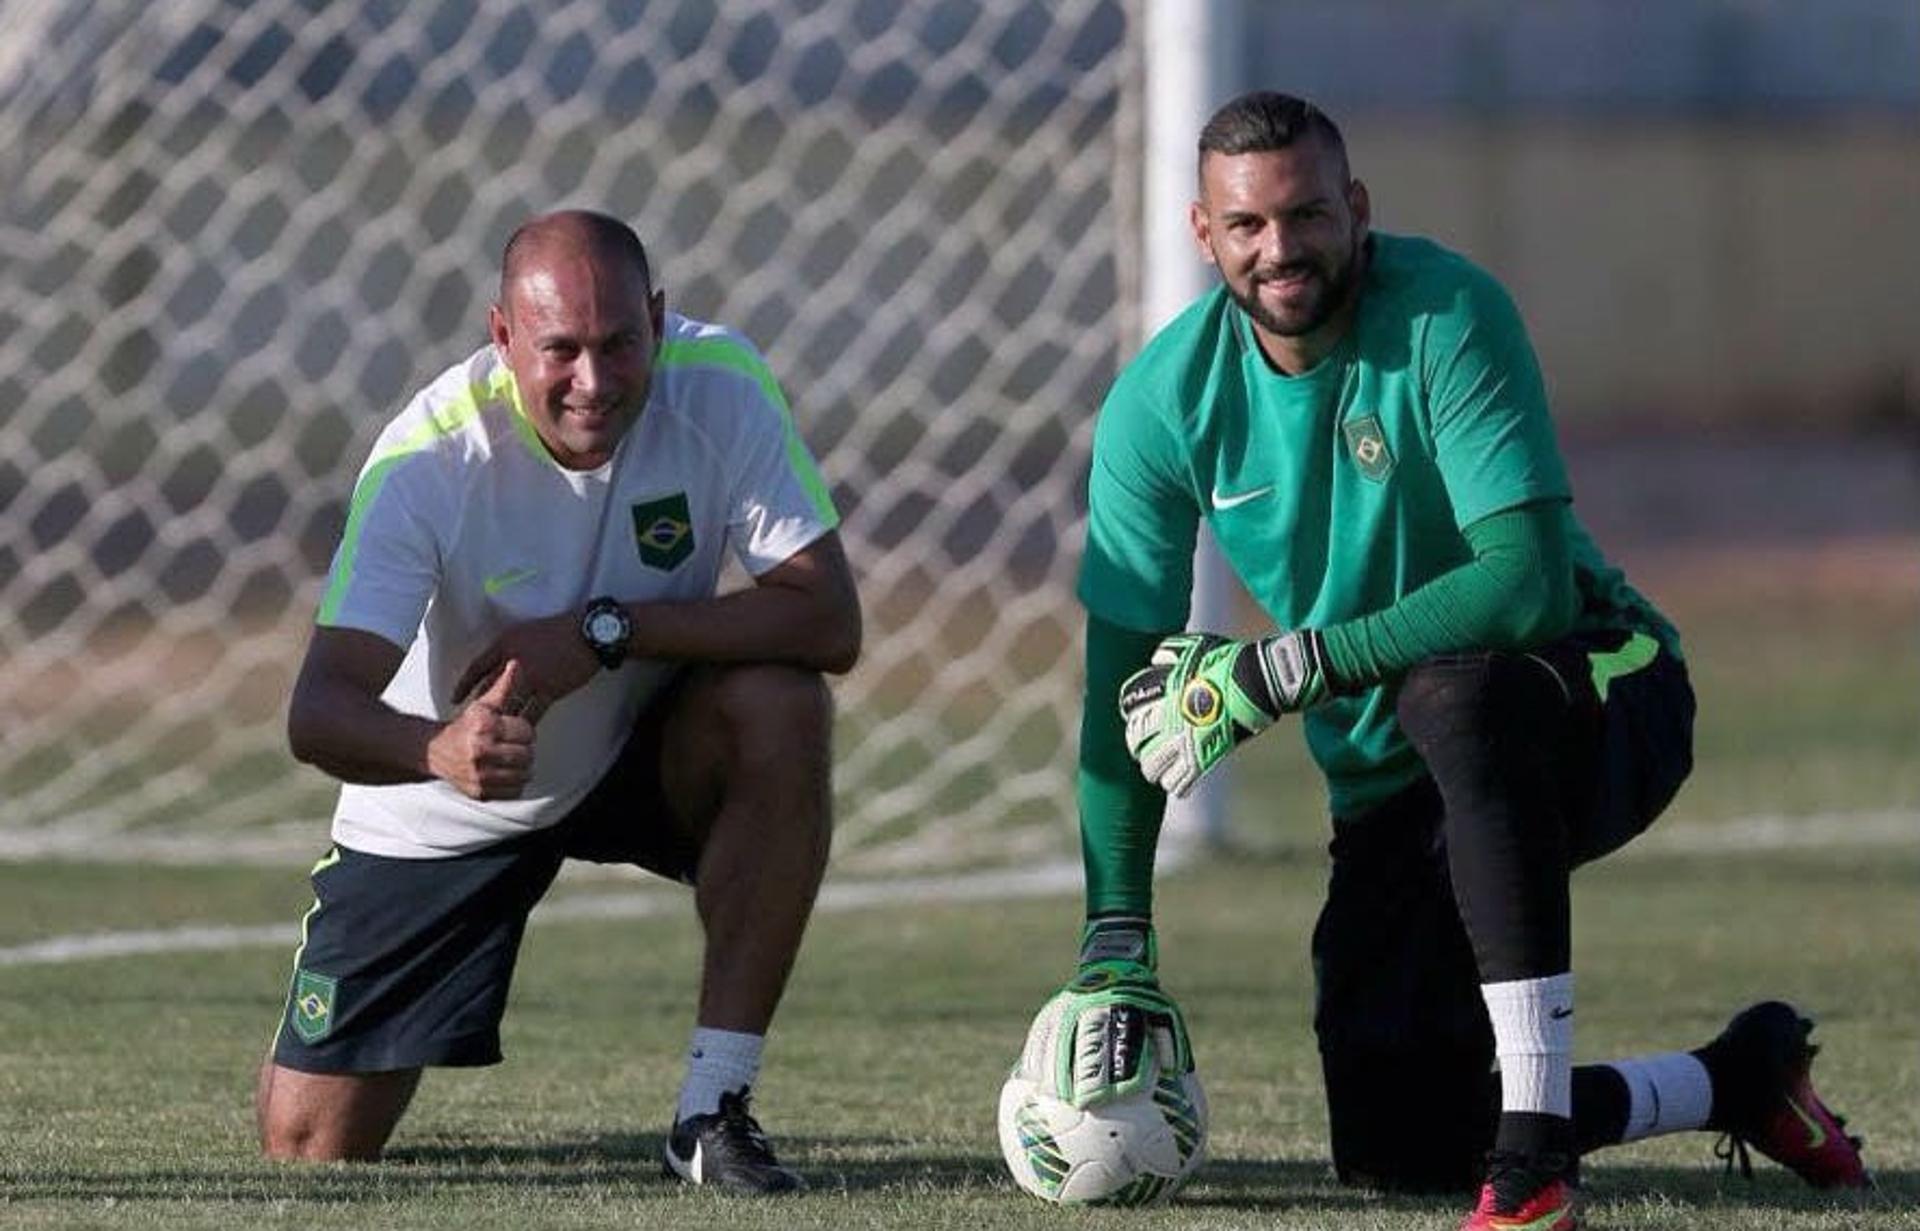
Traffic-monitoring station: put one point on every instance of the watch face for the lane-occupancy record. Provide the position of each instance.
(606, 628)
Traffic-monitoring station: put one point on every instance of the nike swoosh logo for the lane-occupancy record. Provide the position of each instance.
(1221, 501)
(1816, 1136)
(513, 576)
(1558, 1014)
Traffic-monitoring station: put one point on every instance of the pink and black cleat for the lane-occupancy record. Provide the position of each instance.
(1766, 1061)
(1525, 1194)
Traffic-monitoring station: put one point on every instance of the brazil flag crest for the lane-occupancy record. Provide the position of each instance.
(663, 529)
(313, 1003)
(1369, 447)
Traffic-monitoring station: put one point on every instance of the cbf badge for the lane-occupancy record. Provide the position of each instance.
(1369, 448)
(312, 1009)
(664, 531)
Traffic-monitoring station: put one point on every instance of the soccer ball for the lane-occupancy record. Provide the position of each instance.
(1135, 1150)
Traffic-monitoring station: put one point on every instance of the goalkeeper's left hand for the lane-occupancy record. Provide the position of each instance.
(1201, 696)
(1113, 1014)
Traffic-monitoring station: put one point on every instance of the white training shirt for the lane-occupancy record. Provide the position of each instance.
(462, 524)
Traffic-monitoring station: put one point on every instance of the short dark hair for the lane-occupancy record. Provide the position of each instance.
(1267, 120)
(602, 232)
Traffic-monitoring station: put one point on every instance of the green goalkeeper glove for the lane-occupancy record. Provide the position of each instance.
(1112, 1013)
(1201, 696)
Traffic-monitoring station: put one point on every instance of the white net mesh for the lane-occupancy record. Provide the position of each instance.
(238, 235)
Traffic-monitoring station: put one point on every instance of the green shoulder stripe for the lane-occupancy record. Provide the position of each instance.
(441, 423)
(730, 355)
(503, 382)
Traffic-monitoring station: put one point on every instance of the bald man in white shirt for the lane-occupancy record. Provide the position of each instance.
(521, 657)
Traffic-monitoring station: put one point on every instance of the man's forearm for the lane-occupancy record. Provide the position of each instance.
(769, 623)
(1120, 811)
(358, 739)
(1517, 591)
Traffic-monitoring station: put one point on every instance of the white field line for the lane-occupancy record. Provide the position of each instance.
(1758, 834)
(1040, 881)
(1831, 831)
(289, 845)
(283, 846)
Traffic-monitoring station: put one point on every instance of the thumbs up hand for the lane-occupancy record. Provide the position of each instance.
(503, 692)
(486, 752)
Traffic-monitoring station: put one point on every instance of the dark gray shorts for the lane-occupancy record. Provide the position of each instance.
(406, 962)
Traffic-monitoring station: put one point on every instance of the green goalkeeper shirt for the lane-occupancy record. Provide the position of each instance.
(1334, 494)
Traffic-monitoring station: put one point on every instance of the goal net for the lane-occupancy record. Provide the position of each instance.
(238, 235)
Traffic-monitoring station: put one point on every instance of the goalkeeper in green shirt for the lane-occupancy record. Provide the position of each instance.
(1361, 420)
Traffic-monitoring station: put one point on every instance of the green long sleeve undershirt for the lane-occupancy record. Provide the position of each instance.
(1119, 809)
(1517, 590)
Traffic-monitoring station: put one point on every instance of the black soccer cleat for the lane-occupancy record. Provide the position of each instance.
(728, 1149)
(1764, 1097)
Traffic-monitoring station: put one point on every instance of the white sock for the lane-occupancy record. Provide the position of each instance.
(718, 1062)
(1533, 1036)
(1667, 1093)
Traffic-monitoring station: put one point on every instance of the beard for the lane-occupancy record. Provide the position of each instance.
(1326, 291)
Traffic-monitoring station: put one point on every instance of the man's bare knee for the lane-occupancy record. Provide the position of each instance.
(774, 708)
(330, 1117)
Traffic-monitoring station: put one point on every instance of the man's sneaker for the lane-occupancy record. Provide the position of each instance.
(727, 1148)
(1525, 1193)
(1764, 1061)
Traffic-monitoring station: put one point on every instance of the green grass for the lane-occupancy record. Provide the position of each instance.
(124, 1084)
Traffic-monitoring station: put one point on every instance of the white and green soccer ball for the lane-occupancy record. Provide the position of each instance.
(1134, 1150)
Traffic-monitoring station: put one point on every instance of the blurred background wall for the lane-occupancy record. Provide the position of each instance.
(1707, 208)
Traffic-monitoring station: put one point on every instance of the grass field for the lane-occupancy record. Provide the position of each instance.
(124, 1083)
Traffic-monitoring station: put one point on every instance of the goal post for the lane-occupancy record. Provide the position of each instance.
(1192, 66)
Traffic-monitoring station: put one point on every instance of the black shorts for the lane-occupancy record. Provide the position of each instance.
(1405, 1043)
(406, 962)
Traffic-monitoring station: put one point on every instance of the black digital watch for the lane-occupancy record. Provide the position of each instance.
(606, 626)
